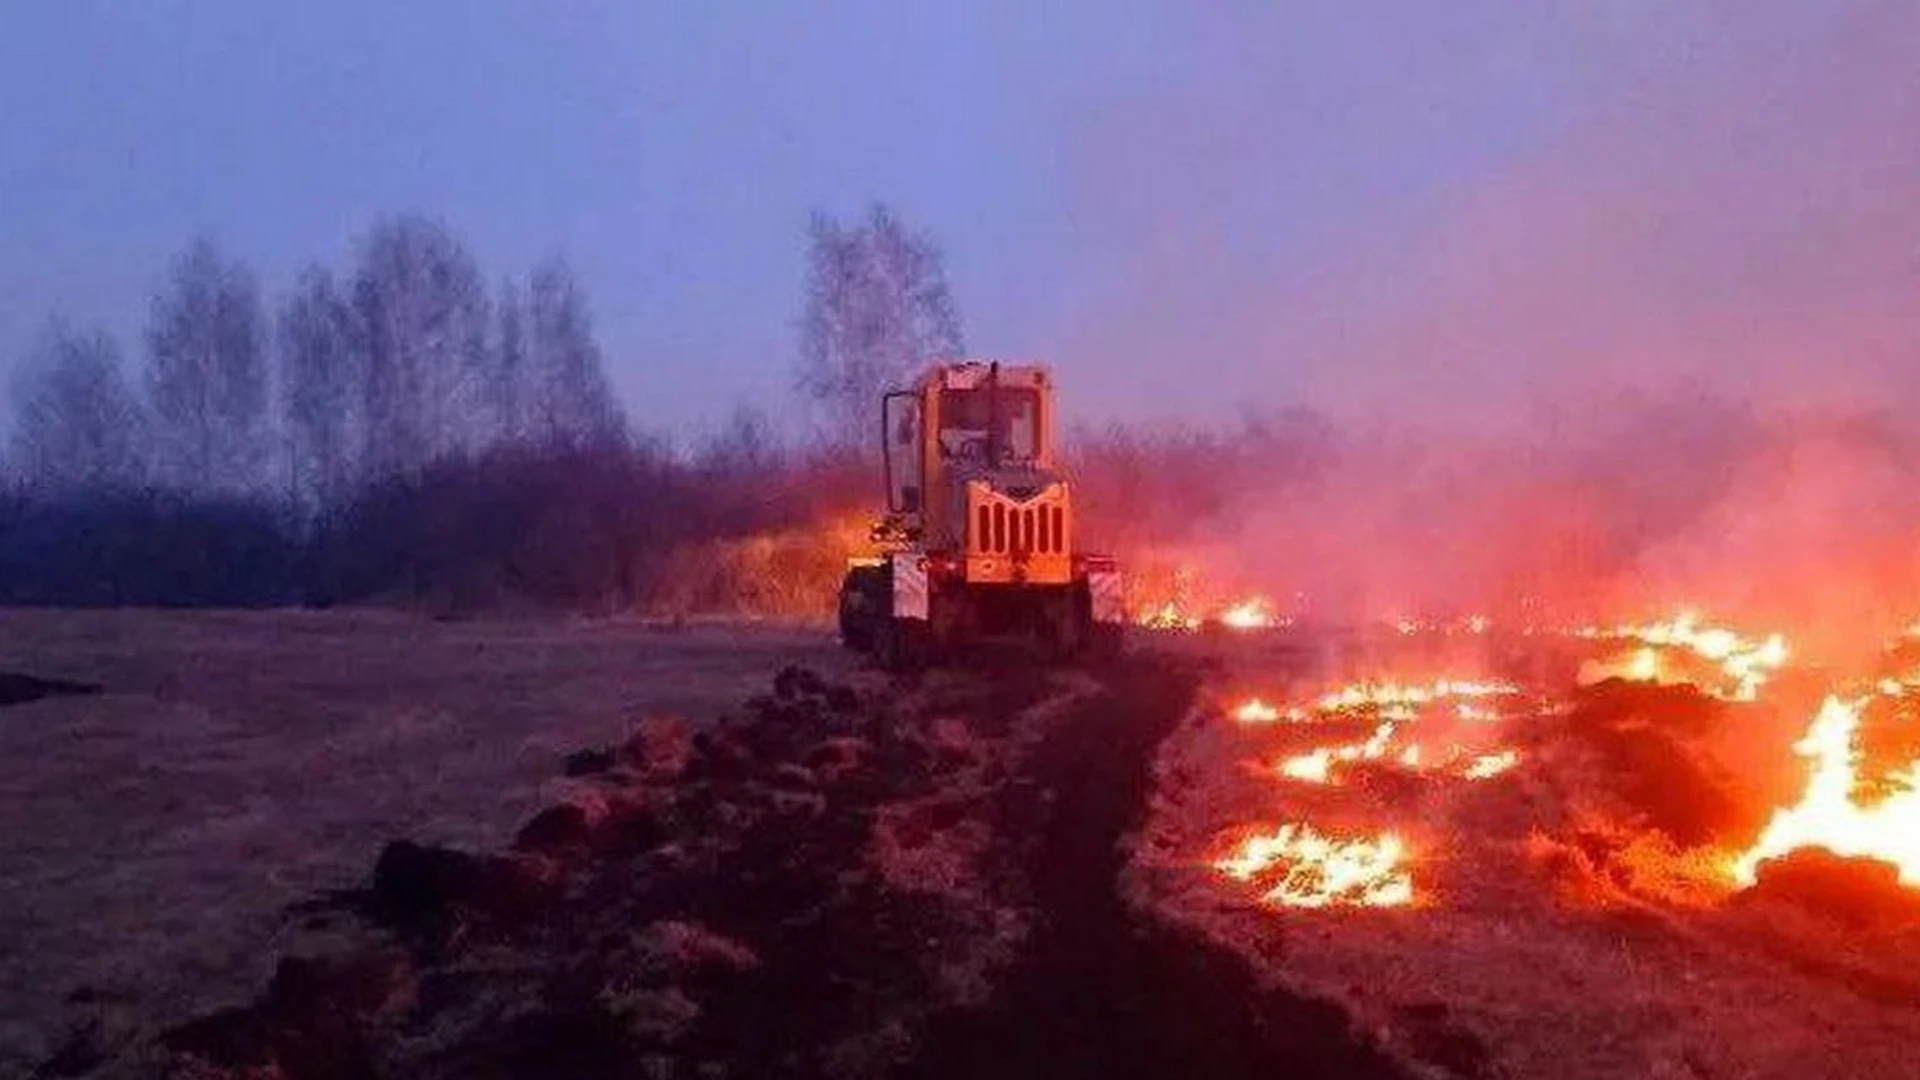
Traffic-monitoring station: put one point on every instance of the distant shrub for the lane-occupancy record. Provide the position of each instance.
(793, 571)
(136, 548)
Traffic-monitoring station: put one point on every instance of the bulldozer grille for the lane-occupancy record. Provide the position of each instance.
(1000, 529)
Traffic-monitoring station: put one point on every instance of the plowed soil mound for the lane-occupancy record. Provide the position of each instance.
(18, 689)
(903, 878)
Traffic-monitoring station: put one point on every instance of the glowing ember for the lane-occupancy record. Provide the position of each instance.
(1317, 766)
(1255, 711)
(1410, 627)
(1899, 686)
(1746, 664)
(1645, 665)
(1446, 688)
(1299, 867)
(1251, 614)
(1314, 768)
(1487, 766)
(1827, 814)
(1361, 695)
(1467, 710)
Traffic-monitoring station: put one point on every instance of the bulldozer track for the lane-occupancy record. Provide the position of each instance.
(1102, 993)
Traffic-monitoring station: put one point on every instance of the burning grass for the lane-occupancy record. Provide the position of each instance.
(1642, 730)
(1614, 837)
(1256, 711)
(1683, 650)
(1296, 866)
(1434, 726)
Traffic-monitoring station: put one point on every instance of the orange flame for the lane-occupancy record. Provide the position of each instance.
(1255, 711)
(1309, 869)
(1828, 816)
(1316, 767)
(1645, 665)
(1395, 705)
(1487, 766)
(1251, 614)
(1169, 616)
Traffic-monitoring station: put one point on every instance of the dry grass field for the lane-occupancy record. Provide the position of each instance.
(152, 836)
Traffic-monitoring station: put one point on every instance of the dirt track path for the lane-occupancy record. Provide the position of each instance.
(1099, 994)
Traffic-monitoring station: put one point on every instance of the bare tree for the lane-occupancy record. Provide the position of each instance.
(877, 308)
(207, 374)
(747, 446)
(421, 316)
(321, 389)
(574, 404)
(511, 389)
(77, 424)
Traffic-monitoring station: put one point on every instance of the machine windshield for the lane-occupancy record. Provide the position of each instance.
(968, 418)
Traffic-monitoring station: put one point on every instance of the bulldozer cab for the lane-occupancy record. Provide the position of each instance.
(961, 421)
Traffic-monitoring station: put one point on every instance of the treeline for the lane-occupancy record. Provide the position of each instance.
(397, 430)
(403, 360)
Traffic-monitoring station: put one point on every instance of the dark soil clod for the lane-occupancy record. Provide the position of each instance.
(428, 892)
(309, 1025)
(17, 689)
(1429, 1032)
(588, 762)
(77, 1054)
(1855, 892)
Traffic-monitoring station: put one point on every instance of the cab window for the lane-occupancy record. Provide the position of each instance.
(972, 420)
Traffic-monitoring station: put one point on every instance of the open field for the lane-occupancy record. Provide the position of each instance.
(152, 836)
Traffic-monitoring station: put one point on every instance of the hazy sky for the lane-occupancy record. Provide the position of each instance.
(1189, 208)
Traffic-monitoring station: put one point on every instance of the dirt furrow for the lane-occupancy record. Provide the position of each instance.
(1103, 992)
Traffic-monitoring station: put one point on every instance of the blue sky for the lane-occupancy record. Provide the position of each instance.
(1192, 209)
